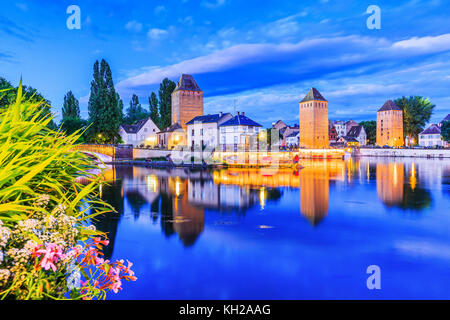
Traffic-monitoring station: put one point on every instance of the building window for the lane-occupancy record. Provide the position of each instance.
(193, 132)
(235, 139)
(235, 128)
(201, 132)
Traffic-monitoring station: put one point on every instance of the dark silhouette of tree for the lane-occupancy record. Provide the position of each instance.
(417, 112)
(135, 112)
(165, 102)
(371, 130)
(154, 113)
(105, 106)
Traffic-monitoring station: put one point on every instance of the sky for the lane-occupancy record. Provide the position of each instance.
(260, 57)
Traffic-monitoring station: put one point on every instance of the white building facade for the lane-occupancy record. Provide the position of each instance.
(239, 133)
(431, 137)
(340, 127)
(203, 131)
(143, 133)
(293, 139)
(359, 134)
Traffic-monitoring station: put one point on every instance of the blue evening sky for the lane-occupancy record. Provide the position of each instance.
(260, 57)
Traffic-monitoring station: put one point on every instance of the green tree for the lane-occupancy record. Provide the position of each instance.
(28, 93)
(71, 120)
(165, 102)
(154, 114)
(135, 112)
(445, 131)
(105, 106)
(71, 107)
(371, 130)
(417, 112)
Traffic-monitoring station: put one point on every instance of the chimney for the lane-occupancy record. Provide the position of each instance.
(220, 114)
(243, 113)
(238, 113)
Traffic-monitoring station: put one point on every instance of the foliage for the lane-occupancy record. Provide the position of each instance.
(48, 249)
(105, 106)
(445, 131)
(135, 112)
(371, 130)
(9, 95)
(165, 102)
(417, 112)
(71, 125)
(72, 121)
(154, 114)
(71, 107)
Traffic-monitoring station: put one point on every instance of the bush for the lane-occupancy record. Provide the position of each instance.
(48, 248)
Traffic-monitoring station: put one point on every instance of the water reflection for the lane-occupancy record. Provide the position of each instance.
(178, 198)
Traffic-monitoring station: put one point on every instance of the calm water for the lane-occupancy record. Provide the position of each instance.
(267, 234)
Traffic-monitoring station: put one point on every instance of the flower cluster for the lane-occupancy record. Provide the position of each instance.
(50, 247)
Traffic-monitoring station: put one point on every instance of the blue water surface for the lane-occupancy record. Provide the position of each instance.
(283, 234)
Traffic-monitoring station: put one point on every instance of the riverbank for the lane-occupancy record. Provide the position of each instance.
(403, 153)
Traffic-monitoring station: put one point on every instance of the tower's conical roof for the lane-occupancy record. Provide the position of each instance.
(187, 82)
(313, 94)
(389, 105)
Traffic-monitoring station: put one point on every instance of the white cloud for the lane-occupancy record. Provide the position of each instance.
(22, 6)
(160, 9)
(134, 26)
(352, 91)
(156, 33)
(425, 44)
(213, 3)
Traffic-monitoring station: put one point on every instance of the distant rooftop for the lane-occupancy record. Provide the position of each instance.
(174, 127)
(313, 94)
(355, 131)
(187, 82)
(134, 128)
(389, 105)
(208, 118)
(432, 129)
(240, 120)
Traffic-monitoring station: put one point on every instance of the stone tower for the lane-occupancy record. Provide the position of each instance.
(314, 121)
(390, 125)
(187, 101)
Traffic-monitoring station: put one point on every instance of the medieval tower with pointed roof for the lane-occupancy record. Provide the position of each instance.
(314, 121)
(187, 100)
(390, 125)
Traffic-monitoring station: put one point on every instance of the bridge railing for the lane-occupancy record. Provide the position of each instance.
(118, 151)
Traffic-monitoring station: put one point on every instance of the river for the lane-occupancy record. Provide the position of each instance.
(283, 234)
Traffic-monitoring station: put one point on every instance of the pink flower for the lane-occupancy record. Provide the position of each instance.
(128, 269)
(98, 240)
(116, 286)
(52, 254)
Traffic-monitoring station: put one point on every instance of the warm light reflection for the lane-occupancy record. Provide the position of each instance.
(368, 172)
(262, 197)
(152, 182)
(177, 187)
(412, 178)
(314, 191)
(390, 180)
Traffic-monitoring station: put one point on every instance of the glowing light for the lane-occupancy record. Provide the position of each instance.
(412, 178)
(152, 182)
(178, 187)
(262, 197)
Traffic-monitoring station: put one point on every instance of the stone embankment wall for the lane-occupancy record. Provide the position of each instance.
(411, 153)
